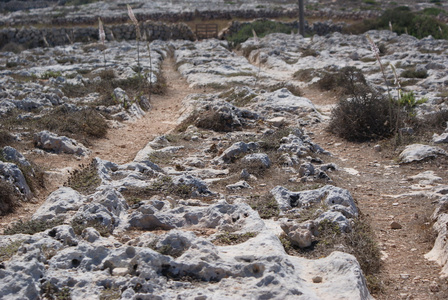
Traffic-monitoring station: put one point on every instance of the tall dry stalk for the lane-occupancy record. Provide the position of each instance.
(376, 52)
(397, 80)
(147, 37)
(257, 42)
(138, 35)
(102, 36)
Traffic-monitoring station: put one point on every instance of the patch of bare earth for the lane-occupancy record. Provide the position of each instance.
(384, 193)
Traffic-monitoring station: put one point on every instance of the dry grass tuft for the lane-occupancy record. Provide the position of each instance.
(9, 199)
(85, 180)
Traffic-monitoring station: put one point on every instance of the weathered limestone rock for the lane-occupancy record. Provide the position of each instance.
(236, 149)
(417, 152)
(59, 203)
(257, 159)
(440, 139)
(12, 155)
(238, 186)
(50, 141)
(12, 173)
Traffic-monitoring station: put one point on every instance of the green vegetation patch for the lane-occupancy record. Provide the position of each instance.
(9, 250)
(403, 20)
(261, 28)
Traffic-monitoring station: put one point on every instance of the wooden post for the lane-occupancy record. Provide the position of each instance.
(301, 18)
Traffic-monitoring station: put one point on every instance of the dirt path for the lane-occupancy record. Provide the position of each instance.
(122, 144)
(380, 180)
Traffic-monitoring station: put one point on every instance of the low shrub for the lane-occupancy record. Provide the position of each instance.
(265, 205)
(413, 73)
(362, 113)
(50, 291)
(85, 122)
(228, 238)
(32, 226)
(9, 198)
(79, 225)
(134, 86)
(13, 47)
(5, 138)
(107, 74)
(360, 242)
(6, 252)
(309, 52)
(50, 74)
(366, 116)
(216, 121)
(163, 185)
(86, 179)
(345, 81)
(434, 11)
(433, 122)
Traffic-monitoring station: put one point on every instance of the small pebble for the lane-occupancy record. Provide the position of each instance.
(317, 279)
(395, 225)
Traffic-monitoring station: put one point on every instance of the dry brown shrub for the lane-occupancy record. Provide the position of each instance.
(9, 198)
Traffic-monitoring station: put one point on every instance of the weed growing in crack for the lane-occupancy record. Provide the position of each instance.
(6, 252)
(86, 179)
(79, 225)
(360, 242)
(163, 185)
(228, 238)
(265, 205)
(32, 226)
(50, 291)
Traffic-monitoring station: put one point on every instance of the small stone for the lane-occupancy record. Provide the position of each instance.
(434, 287)
(377, 148)
(276, 122)
(244, 174)
(405, 276)
(120, 271)
(395, 225)
(317, 279)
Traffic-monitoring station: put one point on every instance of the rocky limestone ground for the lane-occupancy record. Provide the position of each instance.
(246, 197)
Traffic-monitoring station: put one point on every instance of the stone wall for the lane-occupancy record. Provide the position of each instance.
(319, 28)
(61, 19)
(37, 37)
